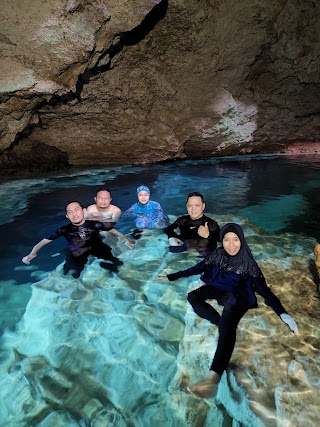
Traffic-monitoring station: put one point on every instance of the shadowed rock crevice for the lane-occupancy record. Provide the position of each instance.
(31, 158)
(120, 41)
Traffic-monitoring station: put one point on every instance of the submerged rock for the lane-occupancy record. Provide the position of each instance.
(98, 351)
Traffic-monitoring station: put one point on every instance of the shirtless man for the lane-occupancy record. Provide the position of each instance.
(103, 211)
(83, 239)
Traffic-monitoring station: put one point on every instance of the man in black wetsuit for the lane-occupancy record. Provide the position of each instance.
(197, 230)
(83, 240)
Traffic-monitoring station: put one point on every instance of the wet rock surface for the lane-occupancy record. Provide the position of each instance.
(132, 83)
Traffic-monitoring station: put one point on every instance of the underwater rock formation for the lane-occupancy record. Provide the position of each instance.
(118, 349)
(140, 82)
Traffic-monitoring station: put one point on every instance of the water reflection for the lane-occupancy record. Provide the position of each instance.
(115, 349)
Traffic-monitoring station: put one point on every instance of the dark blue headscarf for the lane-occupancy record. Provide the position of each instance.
(241, 263)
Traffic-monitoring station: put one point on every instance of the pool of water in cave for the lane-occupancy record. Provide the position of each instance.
(104, 350)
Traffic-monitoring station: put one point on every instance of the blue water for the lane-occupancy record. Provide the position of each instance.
(277, 194)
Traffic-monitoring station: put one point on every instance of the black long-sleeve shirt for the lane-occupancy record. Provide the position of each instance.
(233, 290)
(189, 230)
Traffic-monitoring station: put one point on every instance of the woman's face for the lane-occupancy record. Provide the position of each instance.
(231, 243)
(143, 197)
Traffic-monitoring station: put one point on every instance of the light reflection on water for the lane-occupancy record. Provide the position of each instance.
(274, 198)
(278, 194)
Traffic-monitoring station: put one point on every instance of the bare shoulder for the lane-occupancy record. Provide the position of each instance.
(114, 209)
(92, 208)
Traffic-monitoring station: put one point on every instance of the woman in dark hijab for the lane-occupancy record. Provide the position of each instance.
(231, 276)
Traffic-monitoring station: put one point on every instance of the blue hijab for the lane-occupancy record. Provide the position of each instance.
(144, 205)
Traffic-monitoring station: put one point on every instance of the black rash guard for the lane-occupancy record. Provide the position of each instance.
(83, 237)
(189, 230)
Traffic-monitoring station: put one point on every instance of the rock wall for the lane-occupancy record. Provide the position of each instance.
(138, 82)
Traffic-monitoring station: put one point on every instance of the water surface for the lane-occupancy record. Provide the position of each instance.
(48, 320)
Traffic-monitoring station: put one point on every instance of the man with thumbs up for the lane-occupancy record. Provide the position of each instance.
(197, 230)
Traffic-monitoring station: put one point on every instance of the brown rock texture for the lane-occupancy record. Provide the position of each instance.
(108, 82)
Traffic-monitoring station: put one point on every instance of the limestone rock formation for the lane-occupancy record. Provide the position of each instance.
(139, 82)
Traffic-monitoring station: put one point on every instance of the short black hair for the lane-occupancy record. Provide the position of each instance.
(195, 194)
(103, 189)
(73, 201)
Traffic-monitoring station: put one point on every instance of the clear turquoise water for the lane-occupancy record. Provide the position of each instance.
(278, 195)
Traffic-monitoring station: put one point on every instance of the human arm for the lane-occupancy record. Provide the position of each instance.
(192, 271)
(97, 216)
(273, 301)
(158, 218)
(161, 279)
(131, 210)
(214, 230)
(93, 214)
(169, 231)
(35, 250)
(123, 237)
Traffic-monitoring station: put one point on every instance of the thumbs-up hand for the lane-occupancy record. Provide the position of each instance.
(203, 231)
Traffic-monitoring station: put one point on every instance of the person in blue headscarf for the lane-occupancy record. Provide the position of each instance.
(148, 214)
(231, 276)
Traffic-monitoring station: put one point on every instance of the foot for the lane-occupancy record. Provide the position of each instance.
(76, 274)
(206, 387)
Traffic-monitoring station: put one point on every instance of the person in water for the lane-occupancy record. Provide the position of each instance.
(148, 213)
(231, 276)
(104, 211)
(197, 230)
(83, 239)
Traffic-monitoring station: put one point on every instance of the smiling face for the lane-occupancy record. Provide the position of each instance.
(75, 213)
(231, 243)
(195, 207)
(143, 197)
(103, 199)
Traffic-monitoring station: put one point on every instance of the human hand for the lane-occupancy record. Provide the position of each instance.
(161, 279)
(174, 241)
(28, 258)
(90, 215)
(290, 322)
(204, 231)
(129, 243)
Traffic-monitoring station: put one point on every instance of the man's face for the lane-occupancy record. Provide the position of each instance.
(103, 199)
(75, 213)
(143, 197)
(195, 207)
